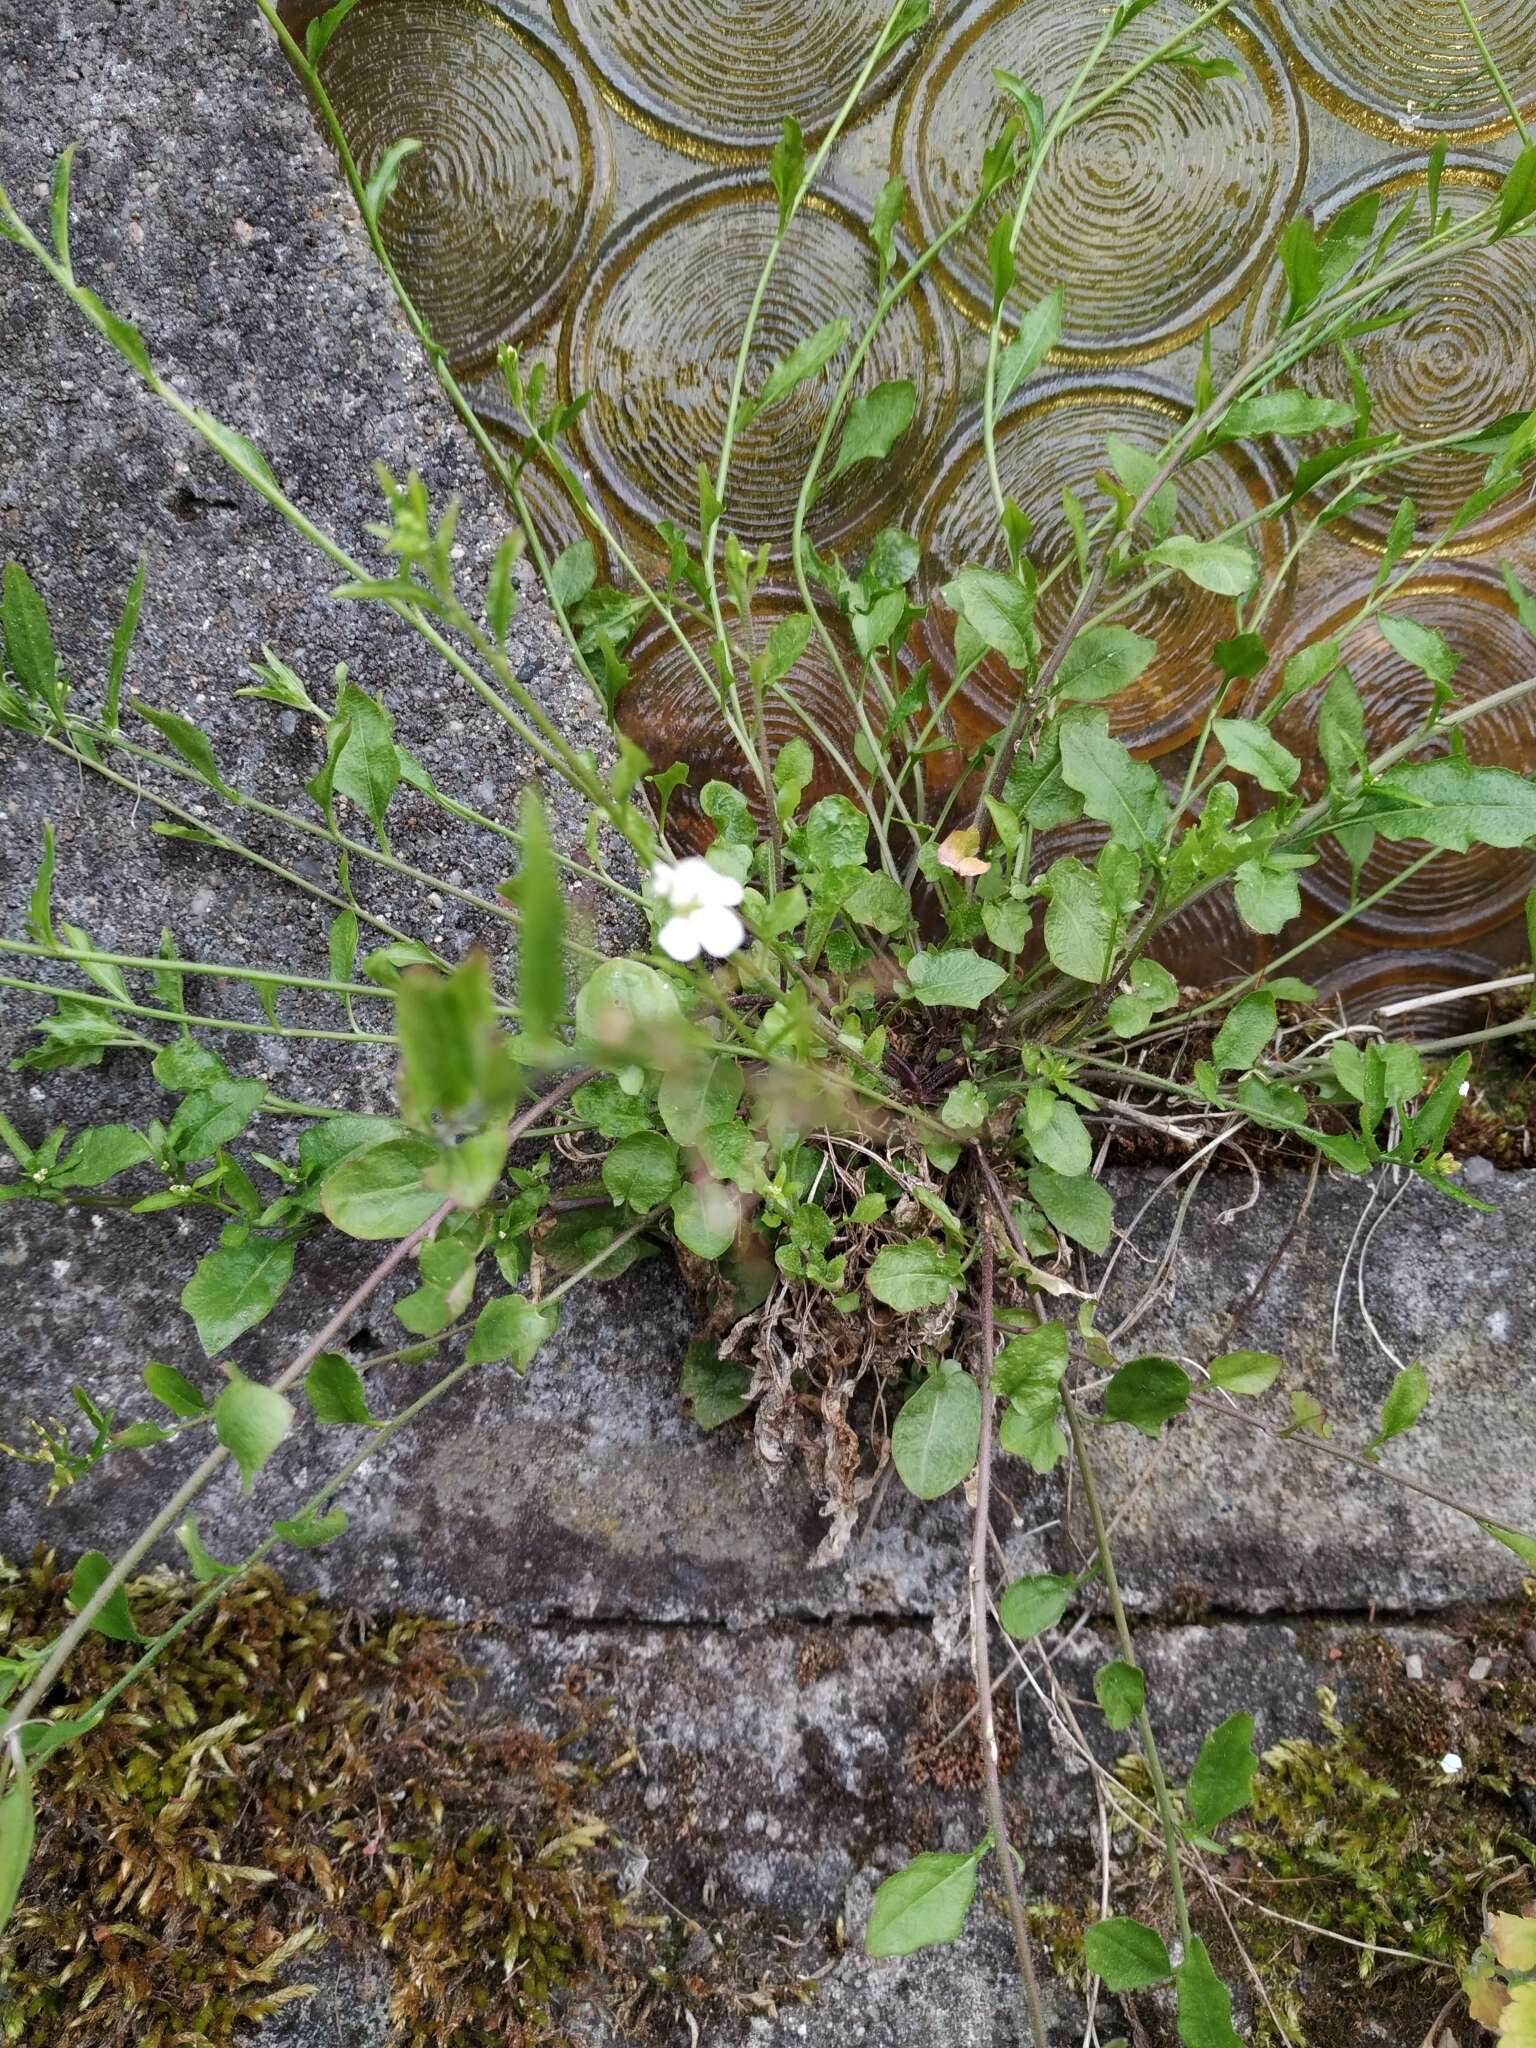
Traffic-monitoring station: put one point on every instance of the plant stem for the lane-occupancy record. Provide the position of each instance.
(1308, 1442)
(192, 1486)
(982, 1656)
(1171, 1841)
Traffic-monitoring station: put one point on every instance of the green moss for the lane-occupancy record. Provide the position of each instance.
(1365, 1845)
(288, 1776)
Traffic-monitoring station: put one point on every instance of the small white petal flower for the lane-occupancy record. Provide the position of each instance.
(703, 903)
(678, 939)
(1450, 1763)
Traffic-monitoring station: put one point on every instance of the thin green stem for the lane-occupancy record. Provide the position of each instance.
(1172, 1841)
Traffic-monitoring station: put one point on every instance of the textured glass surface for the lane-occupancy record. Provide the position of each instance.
(593, 188)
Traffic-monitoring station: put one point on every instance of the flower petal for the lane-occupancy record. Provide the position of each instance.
(718, 929)
(663, 880)
(719, 888)
(679, 939)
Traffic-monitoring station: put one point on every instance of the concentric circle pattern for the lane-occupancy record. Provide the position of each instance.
(1361, 986)
(717, 81)
(1458, 895)
(1155, 214)
(1461, 354)
(672, 712)
(594, 187)
(492, 218)
(1060, 440)
(653, 343)
(1411, 68)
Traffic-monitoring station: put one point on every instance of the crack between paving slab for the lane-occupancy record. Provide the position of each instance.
(1378, 1617)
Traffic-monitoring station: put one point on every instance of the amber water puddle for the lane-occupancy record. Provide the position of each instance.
(592, 187)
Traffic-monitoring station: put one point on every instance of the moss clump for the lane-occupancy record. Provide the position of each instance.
(1366, 1844)
(287, 1776)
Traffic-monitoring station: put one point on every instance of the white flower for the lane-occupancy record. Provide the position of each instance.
(1450, 1763)
(703, 904)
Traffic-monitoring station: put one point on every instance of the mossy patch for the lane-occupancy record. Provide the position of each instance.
(286, 1777)
(1360, 1878)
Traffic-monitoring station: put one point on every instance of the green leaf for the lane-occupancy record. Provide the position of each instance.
(1122, 793)
(1422, 647)
(791, 371)
(541, 933)
(694, 1099)
(1454, 804)
(210, 1117)
(380, 1193)
(923, 1906)
(1246, 1372)
(880, 902)
(1287, 411)
(28, 642)
(318, 35)
(18, 1827)
(916, 1275)
(100, 1154)
(510, 1327)
(173, 1390)
(58, 211)
(336, 1392)
(1037, 334)
(998, 610)
(1267, 894)
(571, 575)
(236, 1286)
(1253, 750)
(715, 1388)
(957, 978)
(642, 1171)
(875, 423)
(1221, 1782)
(368, 767)
(937, 1434)
(1523, 1546)
(625, 1011)
(386, 175)
(310, 1531)
(279, 684)
(1518, 200)
(1226, 567)
(1102, 662)
(1126, 1954)
(189, 742)
(1033, 1604)
(1076, 1205)
(205, 1566)
(1057, 1134)
(1205, 2004)
(706, 1217)
(114, 1619)
(122, 644)
(786, 167)
(1405, 1403)
(1146, 1393)
(468, 1171)
(1245, 1031)
(122, 334)
(1079, 928)
(834, 835)
(1121, 1692)
(251, 1421)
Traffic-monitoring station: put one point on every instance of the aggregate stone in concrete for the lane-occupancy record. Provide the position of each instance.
(1225, 1515)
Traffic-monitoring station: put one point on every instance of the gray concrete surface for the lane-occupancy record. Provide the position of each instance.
(579, 1512)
